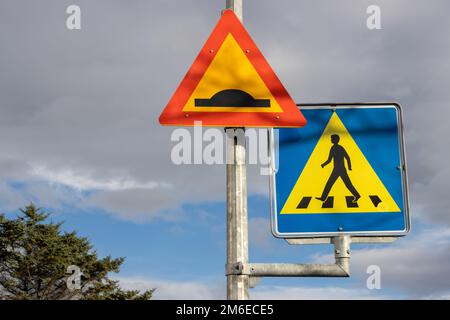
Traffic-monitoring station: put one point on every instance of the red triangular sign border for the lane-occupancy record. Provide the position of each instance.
(229, 23)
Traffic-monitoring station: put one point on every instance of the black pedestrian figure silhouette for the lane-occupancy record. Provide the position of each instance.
(338, 154)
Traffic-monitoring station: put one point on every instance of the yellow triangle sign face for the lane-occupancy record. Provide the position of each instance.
(232, 70)
(230, 84)
(359, 190)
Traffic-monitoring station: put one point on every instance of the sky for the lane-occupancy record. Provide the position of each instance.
(79, 134)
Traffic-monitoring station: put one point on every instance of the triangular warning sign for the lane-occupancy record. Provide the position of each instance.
(230, 84)
(327, 185)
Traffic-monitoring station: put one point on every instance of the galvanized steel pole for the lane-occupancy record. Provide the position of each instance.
(236, 6)
(237, 226)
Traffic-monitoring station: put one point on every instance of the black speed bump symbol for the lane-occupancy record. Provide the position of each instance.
(233, 98)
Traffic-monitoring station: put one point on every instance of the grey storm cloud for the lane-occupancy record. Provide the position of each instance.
(416, 265)
(88, 101)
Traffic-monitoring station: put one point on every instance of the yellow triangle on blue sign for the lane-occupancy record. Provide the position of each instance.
(337, 178)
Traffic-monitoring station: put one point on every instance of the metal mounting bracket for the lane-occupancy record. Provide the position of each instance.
(341, 268)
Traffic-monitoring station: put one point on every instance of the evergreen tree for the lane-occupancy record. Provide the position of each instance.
(35, 256)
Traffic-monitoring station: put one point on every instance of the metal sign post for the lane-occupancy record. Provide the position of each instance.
(237, 227)
(236, 6)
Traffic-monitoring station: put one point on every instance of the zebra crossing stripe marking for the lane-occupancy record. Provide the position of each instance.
(375, 200)
(329, 203)
(304, 203)
(350, 203)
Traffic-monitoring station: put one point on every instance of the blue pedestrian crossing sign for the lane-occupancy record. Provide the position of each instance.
(343, 173)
